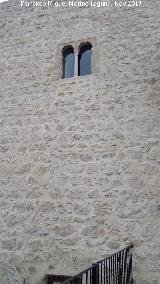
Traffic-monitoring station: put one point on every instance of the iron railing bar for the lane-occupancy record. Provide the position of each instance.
(101, 272)
(106, 272)
(98, 280)
(122, 266)
(116, 258)
(90, 276)
(129, 246)
(125, 266)
(114, 268)
(87, 277)
(129, 270)
(81, 279)
(109, 270)
(119, 267)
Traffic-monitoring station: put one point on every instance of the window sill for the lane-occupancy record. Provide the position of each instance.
(76, 79)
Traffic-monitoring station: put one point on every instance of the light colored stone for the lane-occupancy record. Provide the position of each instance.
(79, 157)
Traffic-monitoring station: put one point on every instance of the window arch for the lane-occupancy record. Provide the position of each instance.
(84, 59)
(68, 61)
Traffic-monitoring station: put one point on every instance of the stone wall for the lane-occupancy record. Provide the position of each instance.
(79, 157)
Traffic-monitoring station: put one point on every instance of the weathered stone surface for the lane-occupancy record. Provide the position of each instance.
(79, 157)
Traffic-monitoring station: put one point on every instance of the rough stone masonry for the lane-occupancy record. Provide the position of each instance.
(79, 157)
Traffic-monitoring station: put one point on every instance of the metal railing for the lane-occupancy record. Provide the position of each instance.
(115, 269)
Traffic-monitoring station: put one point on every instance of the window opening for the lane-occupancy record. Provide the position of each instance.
(68, 62)
(84, 59)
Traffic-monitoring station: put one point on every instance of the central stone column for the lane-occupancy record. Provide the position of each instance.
(76, 63)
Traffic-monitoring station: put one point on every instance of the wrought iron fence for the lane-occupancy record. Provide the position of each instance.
(115, 269)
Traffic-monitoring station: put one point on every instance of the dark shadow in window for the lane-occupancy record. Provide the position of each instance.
(84, 59)
(68, 61)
